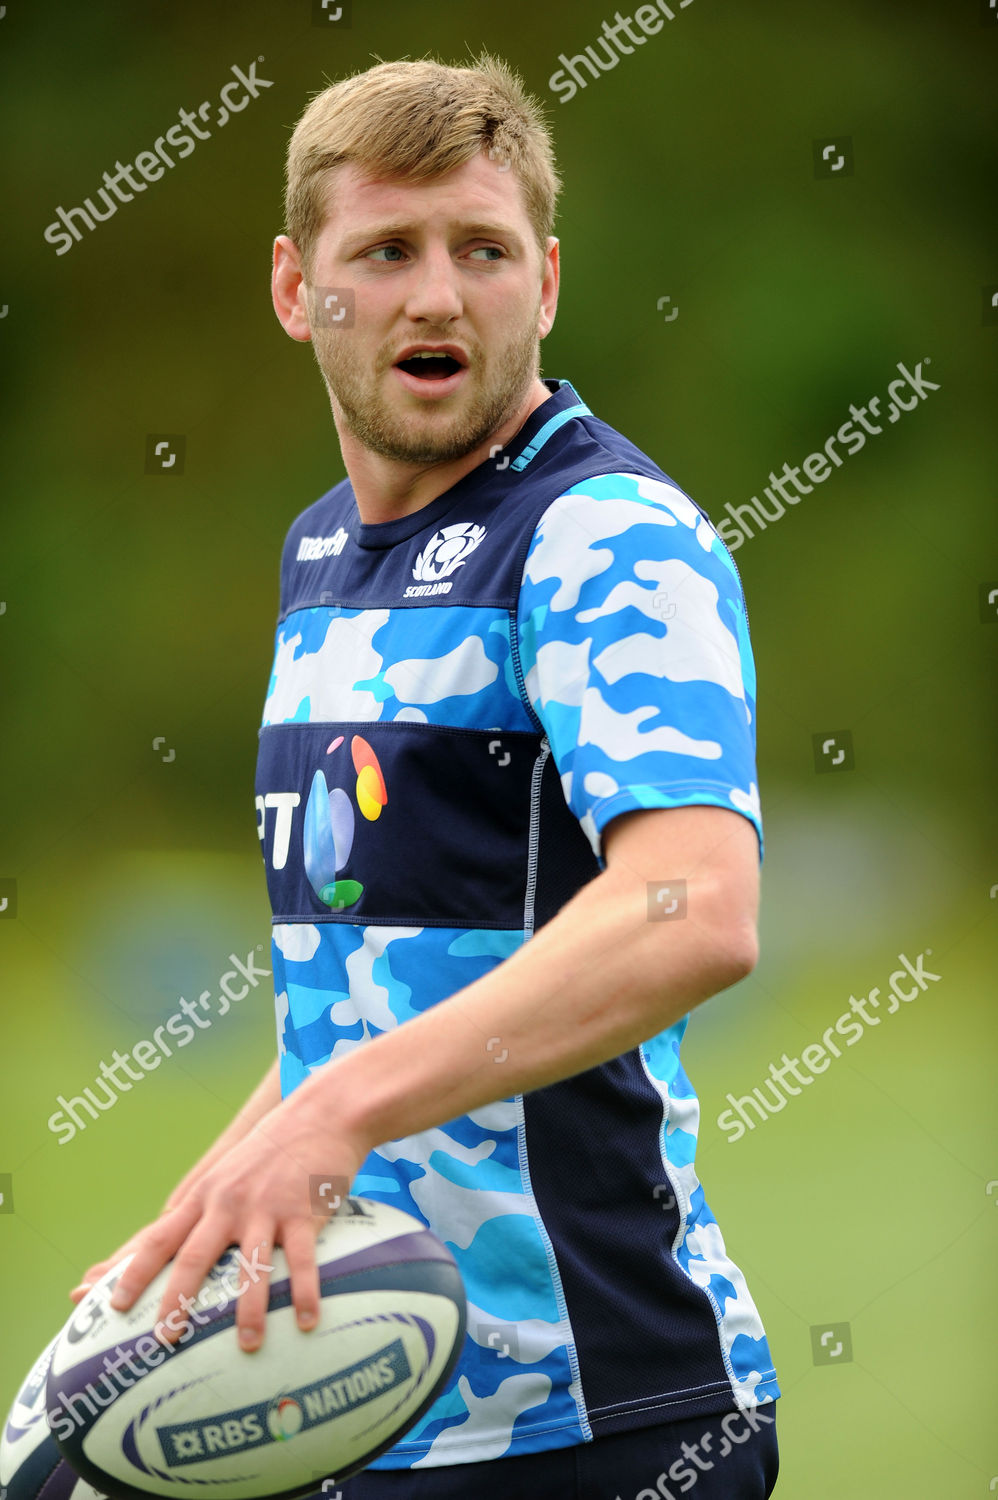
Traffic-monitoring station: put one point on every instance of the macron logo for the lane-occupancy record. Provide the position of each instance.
(446, 551)
(311, 548)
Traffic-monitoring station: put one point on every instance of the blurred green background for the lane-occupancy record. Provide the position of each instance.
(140, 606)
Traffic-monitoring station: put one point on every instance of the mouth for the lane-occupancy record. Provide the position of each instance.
(430, 366)
(431, 371)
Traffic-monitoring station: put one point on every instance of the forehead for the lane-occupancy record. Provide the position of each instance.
(478, 191)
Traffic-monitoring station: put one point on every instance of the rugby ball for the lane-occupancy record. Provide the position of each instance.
(134, 1418)
(31, 1466)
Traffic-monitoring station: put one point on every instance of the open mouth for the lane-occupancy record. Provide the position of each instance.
(430, 366)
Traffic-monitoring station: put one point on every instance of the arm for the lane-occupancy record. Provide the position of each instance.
(596, 980)
(263, 1099)
(593, 983)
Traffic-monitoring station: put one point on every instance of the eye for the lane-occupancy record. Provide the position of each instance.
(489, 250)
(390, 250)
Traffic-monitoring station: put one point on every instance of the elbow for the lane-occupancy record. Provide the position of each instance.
(741, 953)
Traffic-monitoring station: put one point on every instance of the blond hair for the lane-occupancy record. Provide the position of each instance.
(418, 120)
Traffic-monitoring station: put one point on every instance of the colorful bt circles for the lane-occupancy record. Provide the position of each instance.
(371, 793)
(330, 824)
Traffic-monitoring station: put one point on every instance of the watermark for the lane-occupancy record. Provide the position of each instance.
(327, 1193)
(149, 1054)
(736, 1428)
(833, 158)
(831, 1344)
(496, 1341)
(8, 898)
(122, 185)
(666, 900)
(816, 1058)
(833, 751)
(6, 1193)
(503, 757)
(649, 18)
(987, 602)
(150, 1349)
(905, 394)
(332, 307)
(165, 452)
(326, 13)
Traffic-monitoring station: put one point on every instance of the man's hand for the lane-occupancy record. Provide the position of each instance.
(255, 1196)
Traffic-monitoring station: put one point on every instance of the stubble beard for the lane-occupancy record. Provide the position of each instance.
(429, 437)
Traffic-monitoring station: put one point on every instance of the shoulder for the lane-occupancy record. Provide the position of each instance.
(627, 521)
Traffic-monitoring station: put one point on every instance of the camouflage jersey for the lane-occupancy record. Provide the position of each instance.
(462, 699)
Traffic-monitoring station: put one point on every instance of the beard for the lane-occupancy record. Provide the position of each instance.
(499, 385)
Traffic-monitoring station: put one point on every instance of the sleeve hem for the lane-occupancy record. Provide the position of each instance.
(671, 794)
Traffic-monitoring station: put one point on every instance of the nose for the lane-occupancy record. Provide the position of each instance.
(435, 295)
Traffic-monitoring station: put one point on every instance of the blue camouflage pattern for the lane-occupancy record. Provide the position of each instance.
(632, 635)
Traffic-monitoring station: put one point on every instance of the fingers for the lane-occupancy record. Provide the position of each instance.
(247, 1281)
(298, 1244)
(253, 1290)
(89, 1278)
(298, 1238)
(202, 1247)
(93, 1273)
(153, 1247)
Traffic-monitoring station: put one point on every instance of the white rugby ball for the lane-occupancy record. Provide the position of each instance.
(205, 1418)
(31, 1466)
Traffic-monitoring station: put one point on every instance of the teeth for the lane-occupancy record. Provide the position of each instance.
(426, 354)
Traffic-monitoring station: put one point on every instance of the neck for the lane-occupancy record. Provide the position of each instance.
(386, 488)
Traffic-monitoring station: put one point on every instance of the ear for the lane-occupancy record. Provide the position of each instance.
(549, 289)
(287, 288)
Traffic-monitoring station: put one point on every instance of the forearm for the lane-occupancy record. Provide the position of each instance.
(595, 981)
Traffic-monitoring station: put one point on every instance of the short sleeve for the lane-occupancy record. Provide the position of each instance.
(635, 650)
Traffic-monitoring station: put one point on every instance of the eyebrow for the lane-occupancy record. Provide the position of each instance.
(393, 230)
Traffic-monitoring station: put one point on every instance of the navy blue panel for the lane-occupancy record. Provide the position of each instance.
(449, 847)
(565, 860)
(592, 1143)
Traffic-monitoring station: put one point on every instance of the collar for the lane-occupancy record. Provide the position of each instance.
(561, 406)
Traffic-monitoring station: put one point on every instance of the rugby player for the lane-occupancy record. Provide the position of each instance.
(509, 816)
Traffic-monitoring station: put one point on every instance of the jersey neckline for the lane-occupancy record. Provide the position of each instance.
(378, 535)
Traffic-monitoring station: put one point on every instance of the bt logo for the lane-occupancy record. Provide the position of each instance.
(283, 804)
(329, 823)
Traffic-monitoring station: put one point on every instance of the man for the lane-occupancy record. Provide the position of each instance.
(507, 802)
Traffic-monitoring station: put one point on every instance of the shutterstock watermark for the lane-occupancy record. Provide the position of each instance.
(736, 1428)
(122, 185)
(736, 527)
(149, 1054)
(150, 1349)
(817, 1057)
(649, 18)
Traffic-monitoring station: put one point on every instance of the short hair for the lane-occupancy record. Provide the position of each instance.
(418, 120)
